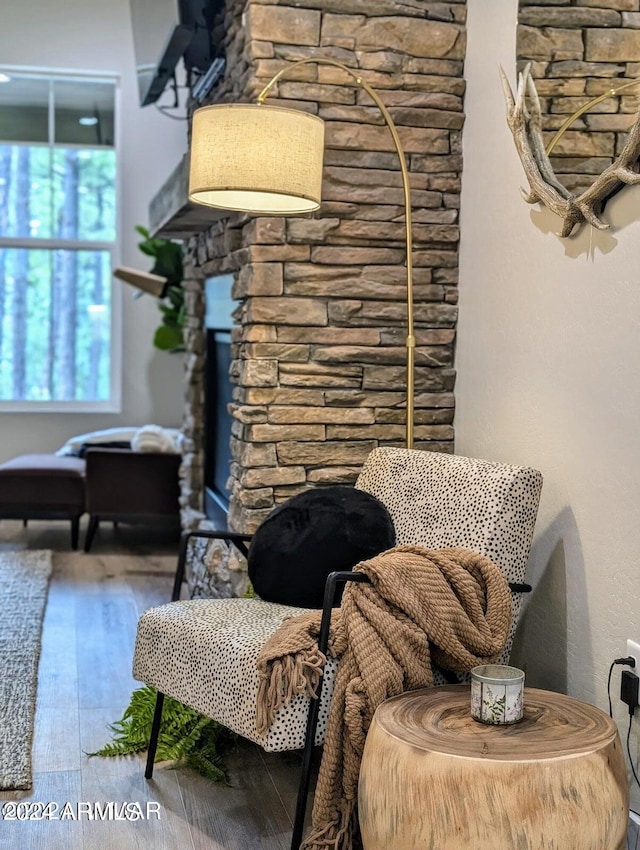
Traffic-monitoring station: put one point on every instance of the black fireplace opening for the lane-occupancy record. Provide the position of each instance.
(218, 392)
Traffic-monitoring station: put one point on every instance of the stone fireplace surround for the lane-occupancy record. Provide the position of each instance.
(318, 341)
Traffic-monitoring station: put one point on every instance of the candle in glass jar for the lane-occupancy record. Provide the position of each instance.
(497, 694)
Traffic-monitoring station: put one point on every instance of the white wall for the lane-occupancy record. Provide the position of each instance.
(547, 357)
(95, 35)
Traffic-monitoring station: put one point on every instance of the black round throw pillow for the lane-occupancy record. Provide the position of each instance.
(310, 536)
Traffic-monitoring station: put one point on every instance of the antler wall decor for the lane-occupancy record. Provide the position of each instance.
(525, 122)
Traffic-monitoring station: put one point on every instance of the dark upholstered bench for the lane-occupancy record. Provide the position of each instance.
(43, 486)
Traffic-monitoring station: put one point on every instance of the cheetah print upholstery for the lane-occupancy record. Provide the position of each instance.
(203, 652)
(439, 500)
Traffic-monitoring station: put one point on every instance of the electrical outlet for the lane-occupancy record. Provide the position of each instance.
(633, 649)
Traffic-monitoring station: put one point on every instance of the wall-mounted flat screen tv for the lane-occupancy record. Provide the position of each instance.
(165, 31)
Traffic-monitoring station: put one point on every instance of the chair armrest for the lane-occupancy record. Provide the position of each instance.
(330, 593)
(239, 540)
(519, 587)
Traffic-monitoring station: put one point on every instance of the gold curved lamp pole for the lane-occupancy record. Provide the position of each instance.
(268, 160)
(614, 90)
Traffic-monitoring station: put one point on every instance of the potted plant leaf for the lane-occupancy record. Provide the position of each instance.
(167, 256)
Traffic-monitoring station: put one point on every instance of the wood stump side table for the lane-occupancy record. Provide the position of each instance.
(432, 778)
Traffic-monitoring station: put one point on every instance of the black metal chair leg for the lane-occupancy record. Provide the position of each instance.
(75, 530)
(155, 732)
(305, 778)
(330, 592)
(94, 522)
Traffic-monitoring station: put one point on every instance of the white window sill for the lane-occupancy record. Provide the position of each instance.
(60, 407)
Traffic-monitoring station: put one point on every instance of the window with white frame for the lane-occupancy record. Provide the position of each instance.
(57, 241)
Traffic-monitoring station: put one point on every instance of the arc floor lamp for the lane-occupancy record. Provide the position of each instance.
(268, 160)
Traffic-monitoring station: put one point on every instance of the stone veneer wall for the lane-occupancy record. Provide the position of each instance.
(318, 344)
(578, 49)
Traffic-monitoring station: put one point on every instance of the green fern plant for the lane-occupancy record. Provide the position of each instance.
(186, 736)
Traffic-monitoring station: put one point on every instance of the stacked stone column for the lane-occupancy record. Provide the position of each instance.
(319, 341)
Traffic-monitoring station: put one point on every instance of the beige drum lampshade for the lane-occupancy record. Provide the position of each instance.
(259, 159)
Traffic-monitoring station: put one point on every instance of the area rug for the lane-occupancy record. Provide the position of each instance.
(24, 581)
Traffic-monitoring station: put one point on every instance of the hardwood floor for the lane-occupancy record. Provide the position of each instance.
(85, 683)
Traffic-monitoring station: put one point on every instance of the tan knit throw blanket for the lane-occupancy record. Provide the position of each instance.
(449, 606)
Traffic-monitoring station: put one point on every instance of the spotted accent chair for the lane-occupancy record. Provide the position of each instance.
(203, 652)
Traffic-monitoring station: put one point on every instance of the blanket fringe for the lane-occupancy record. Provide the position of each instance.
(285, 678)
(337, 834)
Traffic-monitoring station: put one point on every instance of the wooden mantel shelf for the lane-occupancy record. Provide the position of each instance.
(171, 215)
